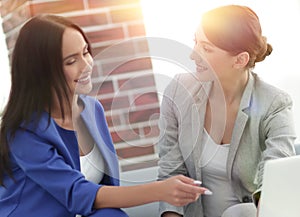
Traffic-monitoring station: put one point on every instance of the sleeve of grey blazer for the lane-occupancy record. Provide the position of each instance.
(279, 133)
(171, 162)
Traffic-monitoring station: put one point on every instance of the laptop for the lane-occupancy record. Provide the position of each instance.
(280, 196)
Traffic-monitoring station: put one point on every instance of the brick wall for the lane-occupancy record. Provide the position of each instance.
(123, 78)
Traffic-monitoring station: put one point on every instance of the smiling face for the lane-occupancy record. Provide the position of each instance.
(77, 62)
(210, 58)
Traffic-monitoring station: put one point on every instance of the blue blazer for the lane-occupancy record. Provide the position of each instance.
(47, 178)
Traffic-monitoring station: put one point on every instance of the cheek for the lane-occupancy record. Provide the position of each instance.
(69, 75)
(218, 61)
(90, 61)
(199, 52)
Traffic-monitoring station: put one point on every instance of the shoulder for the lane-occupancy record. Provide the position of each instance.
(186, 78)
(91, 103)
(38, 123)
(185, 83)
(267, 89)
(270, 94)
(87, 100)
(42, 131)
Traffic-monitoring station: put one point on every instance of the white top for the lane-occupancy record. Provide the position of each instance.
(92, 166)
(214, 176)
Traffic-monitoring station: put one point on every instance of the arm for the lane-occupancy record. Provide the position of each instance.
(279, 132)
(171, 162)
(46, 165)
(177, 190)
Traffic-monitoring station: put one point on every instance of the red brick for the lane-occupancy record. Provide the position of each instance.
(142, 45)
(131, 47)
(16, 18)
(106, 35)
(135, 151)
(98, 50)
(106, 3)
(56, 6)
(136, 30)
(95, 72)
(113, 120)
(11, 40)
(143, 115)
(137, 64)
(124, 136)
(127, 48)
(151, 131)
(115, 103)
(103, 87)
(146, 98)
(10, 5)
(128, 14)
(140, 165)
(90, 19)
(136, 82)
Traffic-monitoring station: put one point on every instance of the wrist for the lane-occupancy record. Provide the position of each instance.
(158, 190)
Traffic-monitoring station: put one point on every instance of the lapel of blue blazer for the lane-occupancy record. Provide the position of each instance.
(93, 117)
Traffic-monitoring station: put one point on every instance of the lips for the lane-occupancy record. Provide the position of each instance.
(83, 79)
(201, 68)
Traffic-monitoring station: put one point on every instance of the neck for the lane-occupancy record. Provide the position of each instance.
(233, 87)
(69, 110)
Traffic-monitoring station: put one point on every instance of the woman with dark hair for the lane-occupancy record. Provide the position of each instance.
(56, 153)
(222, 123)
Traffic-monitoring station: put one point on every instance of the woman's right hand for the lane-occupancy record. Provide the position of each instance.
(180, 190)
(177, 190)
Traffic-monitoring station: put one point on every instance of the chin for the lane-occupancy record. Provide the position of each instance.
(84, 90)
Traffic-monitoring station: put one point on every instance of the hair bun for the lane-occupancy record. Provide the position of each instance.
(265, 51)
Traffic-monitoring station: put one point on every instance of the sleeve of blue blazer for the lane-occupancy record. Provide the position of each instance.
(41, 163)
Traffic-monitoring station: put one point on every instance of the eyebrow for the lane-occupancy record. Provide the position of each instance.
(75, 54)
(207, 43)
(203, 42)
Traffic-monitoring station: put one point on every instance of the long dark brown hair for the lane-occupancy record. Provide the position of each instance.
(36, 75)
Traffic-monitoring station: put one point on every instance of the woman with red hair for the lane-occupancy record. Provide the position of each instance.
(222, 123)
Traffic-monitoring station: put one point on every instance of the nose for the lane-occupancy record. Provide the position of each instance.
(192, 55)
(196, 55)
(86, 63)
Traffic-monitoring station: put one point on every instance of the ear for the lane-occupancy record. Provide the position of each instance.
(241, 60)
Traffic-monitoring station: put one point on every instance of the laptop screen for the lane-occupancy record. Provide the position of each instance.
(280, 196)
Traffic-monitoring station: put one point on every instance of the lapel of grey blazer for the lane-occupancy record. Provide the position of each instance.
(240, 124)
(198, 111)
(192, 103)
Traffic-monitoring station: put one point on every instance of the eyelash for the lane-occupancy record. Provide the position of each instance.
(195, 41)
(70, 62)
(205, 48)
(74, 59)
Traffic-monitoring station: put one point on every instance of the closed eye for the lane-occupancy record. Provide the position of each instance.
(206, 48)
(71, 59)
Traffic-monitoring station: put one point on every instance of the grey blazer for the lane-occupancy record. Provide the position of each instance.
(263, 130)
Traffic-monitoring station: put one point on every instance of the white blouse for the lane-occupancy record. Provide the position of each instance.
(92, 166)
(213, 163)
